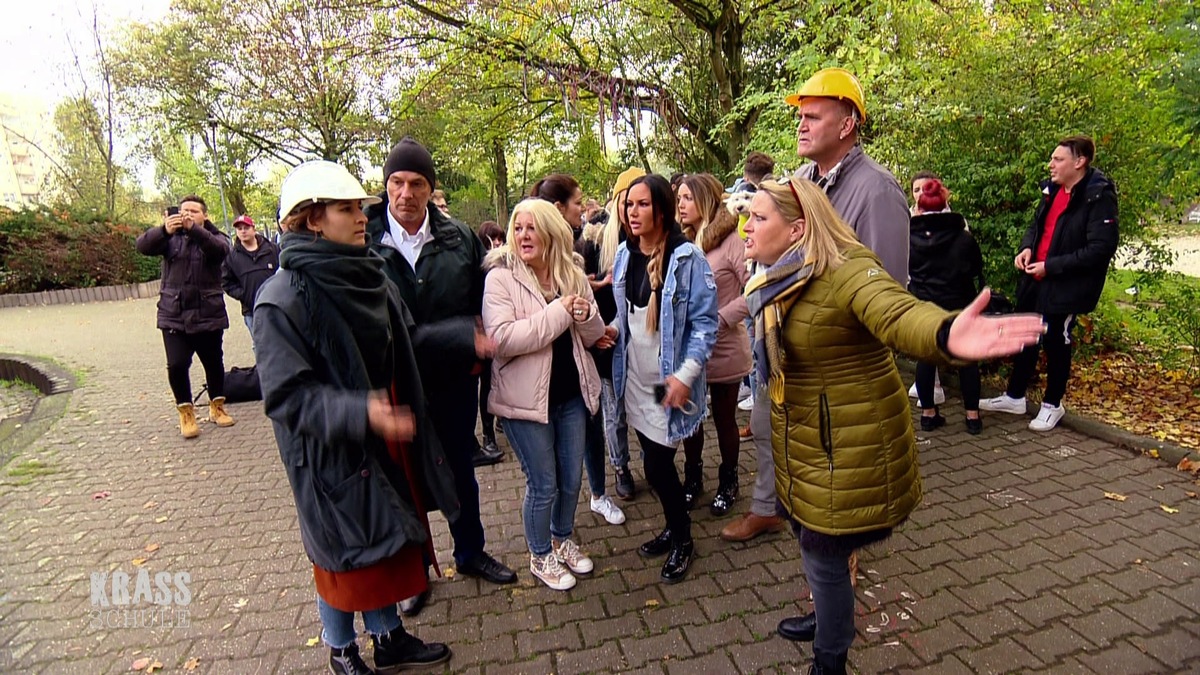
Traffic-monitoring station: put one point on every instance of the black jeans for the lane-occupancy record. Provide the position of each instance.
(180, 347)
(664, 479)
(452, 408)
(485, 389)
(968, 380)
(1057, 343)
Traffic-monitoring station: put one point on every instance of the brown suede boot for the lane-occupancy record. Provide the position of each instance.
(750, 526)
(187, 420)
(216, 412)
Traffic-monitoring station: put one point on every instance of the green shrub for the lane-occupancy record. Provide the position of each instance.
(42, 249)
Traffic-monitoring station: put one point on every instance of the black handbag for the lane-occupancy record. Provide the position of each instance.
(241, 385)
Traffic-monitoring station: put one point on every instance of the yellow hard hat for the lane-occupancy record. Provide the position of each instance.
(836, 83)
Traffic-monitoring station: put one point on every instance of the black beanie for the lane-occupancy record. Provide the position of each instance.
(409, 155)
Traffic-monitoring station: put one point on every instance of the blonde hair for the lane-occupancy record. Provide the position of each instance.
(566, 276)
(706, 192)
(826, 236)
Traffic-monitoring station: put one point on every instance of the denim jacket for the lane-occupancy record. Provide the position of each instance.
(687, 328)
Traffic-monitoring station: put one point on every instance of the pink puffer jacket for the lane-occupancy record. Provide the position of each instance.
(524, 326)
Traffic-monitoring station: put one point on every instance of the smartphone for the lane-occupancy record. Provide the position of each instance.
(660, 392)
(172, 210)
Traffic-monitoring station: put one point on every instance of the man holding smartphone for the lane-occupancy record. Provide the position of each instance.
(191, 305)
(1064, 259)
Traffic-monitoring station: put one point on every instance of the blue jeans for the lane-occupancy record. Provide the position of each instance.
(551, 456)
(249, 319)
(616, 431)
(338, 627)
(828, 575)
(593, 454)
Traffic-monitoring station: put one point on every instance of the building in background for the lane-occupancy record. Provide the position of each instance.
(26, 135)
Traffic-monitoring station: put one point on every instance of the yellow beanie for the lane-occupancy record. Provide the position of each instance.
(626, 179)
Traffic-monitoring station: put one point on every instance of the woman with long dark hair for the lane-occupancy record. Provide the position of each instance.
(667, 325)
(341, 386)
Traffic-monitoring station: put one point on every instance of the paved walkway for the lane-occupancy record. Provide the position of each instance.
(1015, 562)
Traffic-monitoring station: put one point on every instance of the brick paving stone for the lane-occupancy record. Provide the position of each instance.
(1104, 626)
(605, 658)
(1051, 643)
(543, 663)
(774, 655)
(930, 644)
(1155, 610)
(1120, 658)
(987, 626)
(1002, 657)
(640, 651)
(717, 662)
(1174, 647)
(705, 638)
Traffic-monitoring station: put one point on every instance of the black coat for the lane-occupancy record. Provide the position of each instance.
(1083, 245)
(944, 261)
(606, 303)
(354, 504)
(245, 271)
(191, 300)
(444, 293)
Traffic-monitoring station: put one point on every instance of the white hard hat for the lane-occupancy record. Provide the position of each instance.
(320, 181)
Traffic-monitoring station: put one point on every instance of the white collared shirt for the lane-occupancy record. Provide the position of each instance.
(409, 245)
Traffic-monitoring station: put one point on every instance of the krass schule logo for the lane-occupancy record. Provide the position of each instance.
(141, 601)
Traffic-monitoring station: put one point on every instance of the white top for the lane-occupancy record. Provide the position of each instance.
(641, 410)
(409, 245)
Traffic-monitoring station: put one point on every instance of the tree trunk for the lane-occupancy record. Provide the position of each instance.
(499, 180)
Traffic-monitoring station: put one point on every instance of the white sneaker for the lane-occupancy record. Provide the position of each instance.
(551, 572)
(746, 404)
(744, 392)
(939, 394)
(1047, 418)
(568, 553)
(1005, 404)
(605, 507)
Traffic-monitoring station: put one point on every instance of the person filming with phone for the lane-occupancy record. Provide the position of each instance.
(191, 305)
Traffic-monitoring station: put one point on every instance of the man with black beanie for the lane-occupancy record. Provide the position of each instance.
(437, 263)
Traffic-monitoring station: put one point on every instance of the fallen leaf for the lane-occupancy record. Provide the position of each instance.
(151, 548)
(1152, 452)
(1190, 494)
(1186, 464)
(192, 663)
(103, 494)
(150, 504)
(160, 519)
(1115, 497)
(226, 626)
(449, 573)
(240, 603)
(1159, 487)
(1168, 509)
(138, 562)
(157, 665)
(652, 603)
(140, 664)
(312, 642)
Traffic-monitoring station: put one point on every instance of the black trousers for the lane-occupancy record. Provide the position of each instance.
(207, 346)
(452, 409)
(485, 389)
(724, 417)
(1057, 343)
(664, 480)
(968, 379)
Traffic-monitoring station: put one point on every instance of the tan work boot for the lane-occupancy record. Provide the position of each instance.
(216, 412)
(750, 526)
(187, 420)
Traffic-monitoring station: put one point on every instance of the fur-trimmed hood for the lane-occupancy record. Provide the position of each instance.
(715, 232)
(497, 258)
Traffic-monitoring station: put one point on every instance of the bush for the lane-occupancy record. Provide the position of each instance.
(42, 250)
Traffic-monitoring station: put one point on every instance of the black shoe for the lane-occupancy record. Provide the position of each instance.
(656, 546)
(488, 568)
(727, 493)
(346, 661)
(626, 489)
(413, 606)
(398, 650)
(693, 485)
(798, 628)
(488, 454)
(824, 664)
(676, 566)
(974, 426)
(931, 423)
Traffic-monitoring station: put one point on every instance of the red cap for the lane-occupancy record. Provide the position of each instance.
(243, 219)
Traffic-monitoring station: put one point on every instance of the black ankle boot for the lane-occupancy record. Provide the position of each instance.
(346, 661)
(828, 664)
(678, 561)
(693, 484)
(398, 650)
(727, 492)
(657, 546)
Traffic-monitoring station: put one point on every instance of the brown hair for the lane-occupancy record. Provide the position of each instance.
(1080, 146)
(715, 222)
(298, 220)
(758, 164)
(197, 199)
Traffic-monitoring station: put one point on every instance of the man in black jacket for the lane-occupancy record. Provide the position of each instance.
(253, 260)
(191, 307)
(437, 263)
(1064, 257)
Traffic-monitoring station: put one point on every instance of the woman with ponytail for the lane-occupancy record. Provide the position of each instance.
(666, 328)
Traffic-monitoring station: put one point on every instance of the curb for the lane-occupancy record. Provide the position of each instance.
(53, 382)
(74, 296)
(1086, 425)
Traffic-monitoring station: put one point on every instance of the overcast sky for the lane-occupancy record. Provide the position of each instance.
(35, 38)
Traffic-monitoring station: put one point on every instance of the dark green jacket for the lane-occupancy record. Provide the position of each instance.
(845, 453)
(444, 293)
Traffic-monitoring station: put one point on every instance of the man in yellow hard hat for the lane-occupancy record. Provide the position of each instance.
(866, 195)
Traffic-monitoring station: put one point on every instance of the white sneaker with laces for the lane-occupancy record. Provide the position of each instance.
(939, 394)
(605, 507)
(1005, 404)
(746, 404)
(551, 572)
(568, 553)
(1047, 418)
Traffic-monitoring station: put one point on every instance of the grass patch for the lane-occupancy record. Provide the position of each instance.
(20, 385)
(23, 472)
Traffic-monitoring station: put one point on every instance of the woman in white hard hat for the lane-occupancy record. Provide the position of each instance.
(340, 385)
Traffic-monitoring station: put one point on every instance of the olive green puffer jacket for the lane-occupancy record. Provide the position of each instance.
(845, 453)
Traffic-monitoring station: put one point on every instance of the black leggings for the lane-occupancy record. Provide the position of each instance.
(207, 346)
(664, 480)
(968, 381)
(485, 389)
(724, 417)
